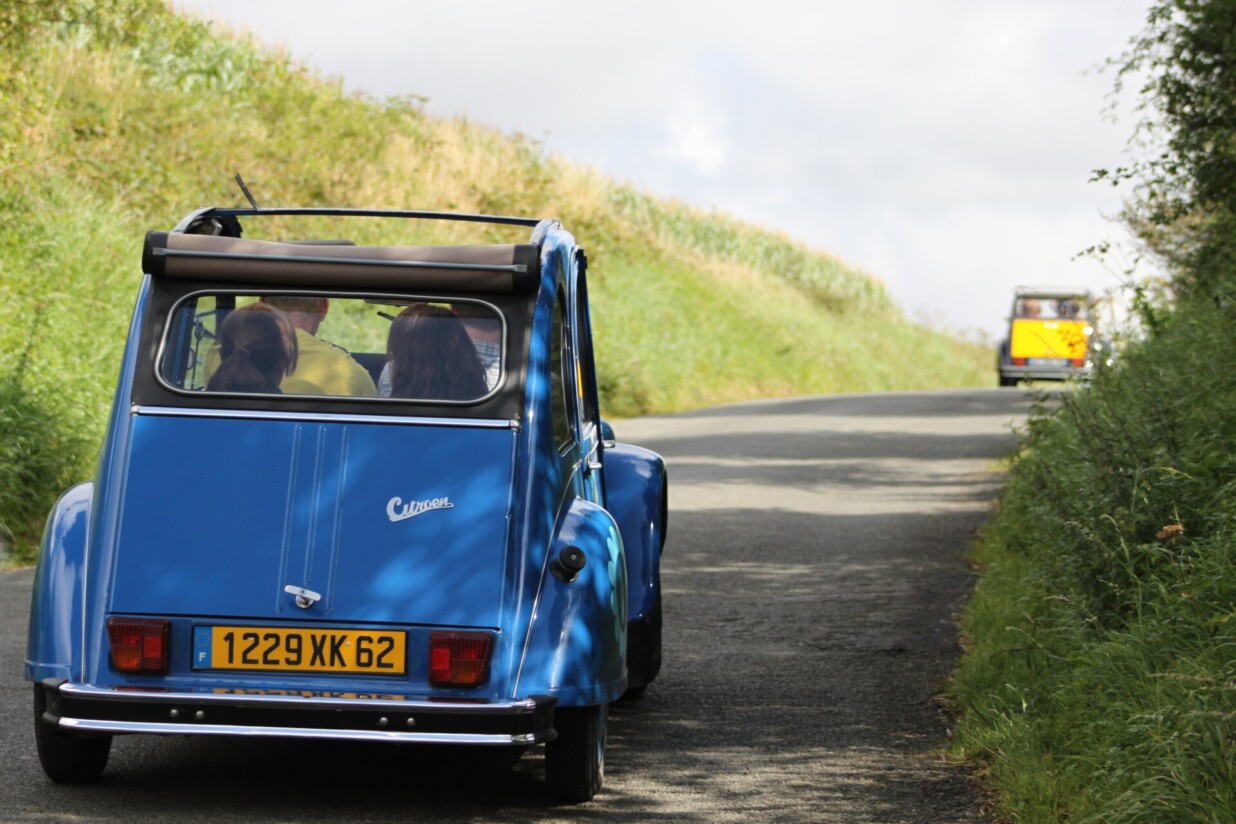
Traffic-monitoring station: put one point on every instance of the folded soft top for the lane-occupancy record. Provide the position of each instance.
(494, 268)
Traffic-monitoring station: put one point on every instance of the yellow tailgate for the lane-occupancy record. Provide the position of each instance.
(1048, 339)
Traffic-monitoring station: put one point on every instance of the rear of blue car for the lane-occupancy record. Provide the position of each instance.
(400, 569)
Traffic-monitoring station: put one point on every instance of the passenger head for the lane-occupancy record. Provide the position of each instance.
(431, 356)
(1030, 308)
(479, 322)
(305, 311)
(257, 345)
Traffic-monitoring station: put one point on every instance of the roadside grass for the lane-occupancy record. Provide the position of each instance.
(1099, 678)
(60, 274)
(119, 116)
(678, 337)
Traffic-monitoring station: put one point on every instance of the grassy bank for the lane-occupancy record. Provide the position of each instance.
(1100, 678)
(117, 116)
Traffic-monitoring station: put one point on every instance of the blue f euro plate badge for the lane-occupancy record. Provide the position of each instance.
(201, 647)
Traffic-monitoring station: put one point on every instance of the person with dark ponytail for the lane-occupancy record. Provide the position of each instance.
(431, 356)
(257, 345)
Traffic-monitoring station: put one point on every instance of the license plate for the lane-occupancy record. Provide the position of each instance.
(300, 649)
(1048, 362)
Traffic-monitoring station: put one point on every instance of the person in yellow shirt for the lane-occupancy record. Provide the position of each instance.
(322, 368)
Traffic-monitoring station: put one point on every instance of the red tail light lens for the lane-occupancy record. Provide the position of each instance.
(1019, 361)
(139, 646)
(458, 659)
(1079, 362)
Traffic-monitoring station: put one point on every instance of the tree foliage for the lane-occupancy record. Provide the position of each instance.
(1186, 193)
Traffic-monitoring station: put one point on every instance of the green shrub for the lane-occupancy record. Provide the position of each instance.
(1102, 638)
(66, 293)
(42, 453)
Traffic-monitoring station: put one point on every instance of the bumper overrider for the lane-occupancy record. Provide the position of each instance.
(76, 708)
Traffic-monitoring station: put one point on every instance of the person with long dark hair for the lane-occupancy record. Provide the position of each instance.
(431, 356)
(257, 346)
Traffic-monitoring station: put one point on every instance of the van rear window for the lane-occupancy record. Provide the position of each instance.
(1051, 308)
(302, 345)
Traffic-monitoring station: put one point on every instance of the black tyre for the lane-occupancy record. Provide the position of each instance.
(634, 693)
(67, 759)
(575, 760)
(643, 652)
(1003, 360)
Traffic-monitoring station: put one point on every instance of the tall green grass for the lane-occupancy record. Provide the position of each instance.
(118, 116)
(61, 275)
(1099, 683)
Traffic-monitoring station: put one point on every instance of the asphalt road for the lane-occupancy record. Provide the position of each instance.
(814, 566)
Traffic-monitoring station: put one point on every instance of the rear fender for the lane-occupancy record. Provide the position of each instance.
(635, 494)
(56, 605)
(576, 646)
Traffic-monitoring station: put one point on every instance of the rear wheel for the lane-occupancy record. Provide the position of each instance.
(67, 759)
(575, 760)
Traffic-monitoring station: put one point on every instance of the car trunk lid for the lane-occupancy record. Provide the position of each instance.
(399, 523)
(1055, 339)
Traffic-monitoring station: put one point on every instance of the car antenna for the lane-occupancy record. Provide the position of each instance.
(245, 189)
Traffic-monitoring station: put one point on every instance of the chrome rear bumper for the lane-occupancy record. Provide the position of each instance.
(1044, 373)
(94, 710)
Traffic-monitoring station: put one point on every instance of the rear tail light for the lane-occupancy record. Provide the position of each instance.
(139, 646)
(1079, 362)
(458, 659)
(1019, 361)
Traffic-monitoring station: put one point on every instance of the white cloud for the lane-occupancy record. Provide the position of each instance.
(695, 138)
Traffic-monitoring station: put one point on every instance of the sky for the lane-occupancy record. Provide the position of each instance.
(944, 147)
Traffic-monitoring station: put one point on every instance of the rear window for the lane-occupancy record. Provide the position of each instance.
(1051, 308)
(305, 345)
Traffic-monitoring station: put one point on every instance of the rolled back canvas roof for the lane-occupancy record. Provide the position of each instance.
(494, 268)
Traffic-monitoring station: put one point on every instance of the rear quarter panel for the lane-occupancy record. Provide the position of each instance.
(56, 599)
(576, 645)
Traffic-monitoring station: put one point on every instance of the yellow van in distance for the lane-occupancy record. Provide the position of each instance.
(1050, 333)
